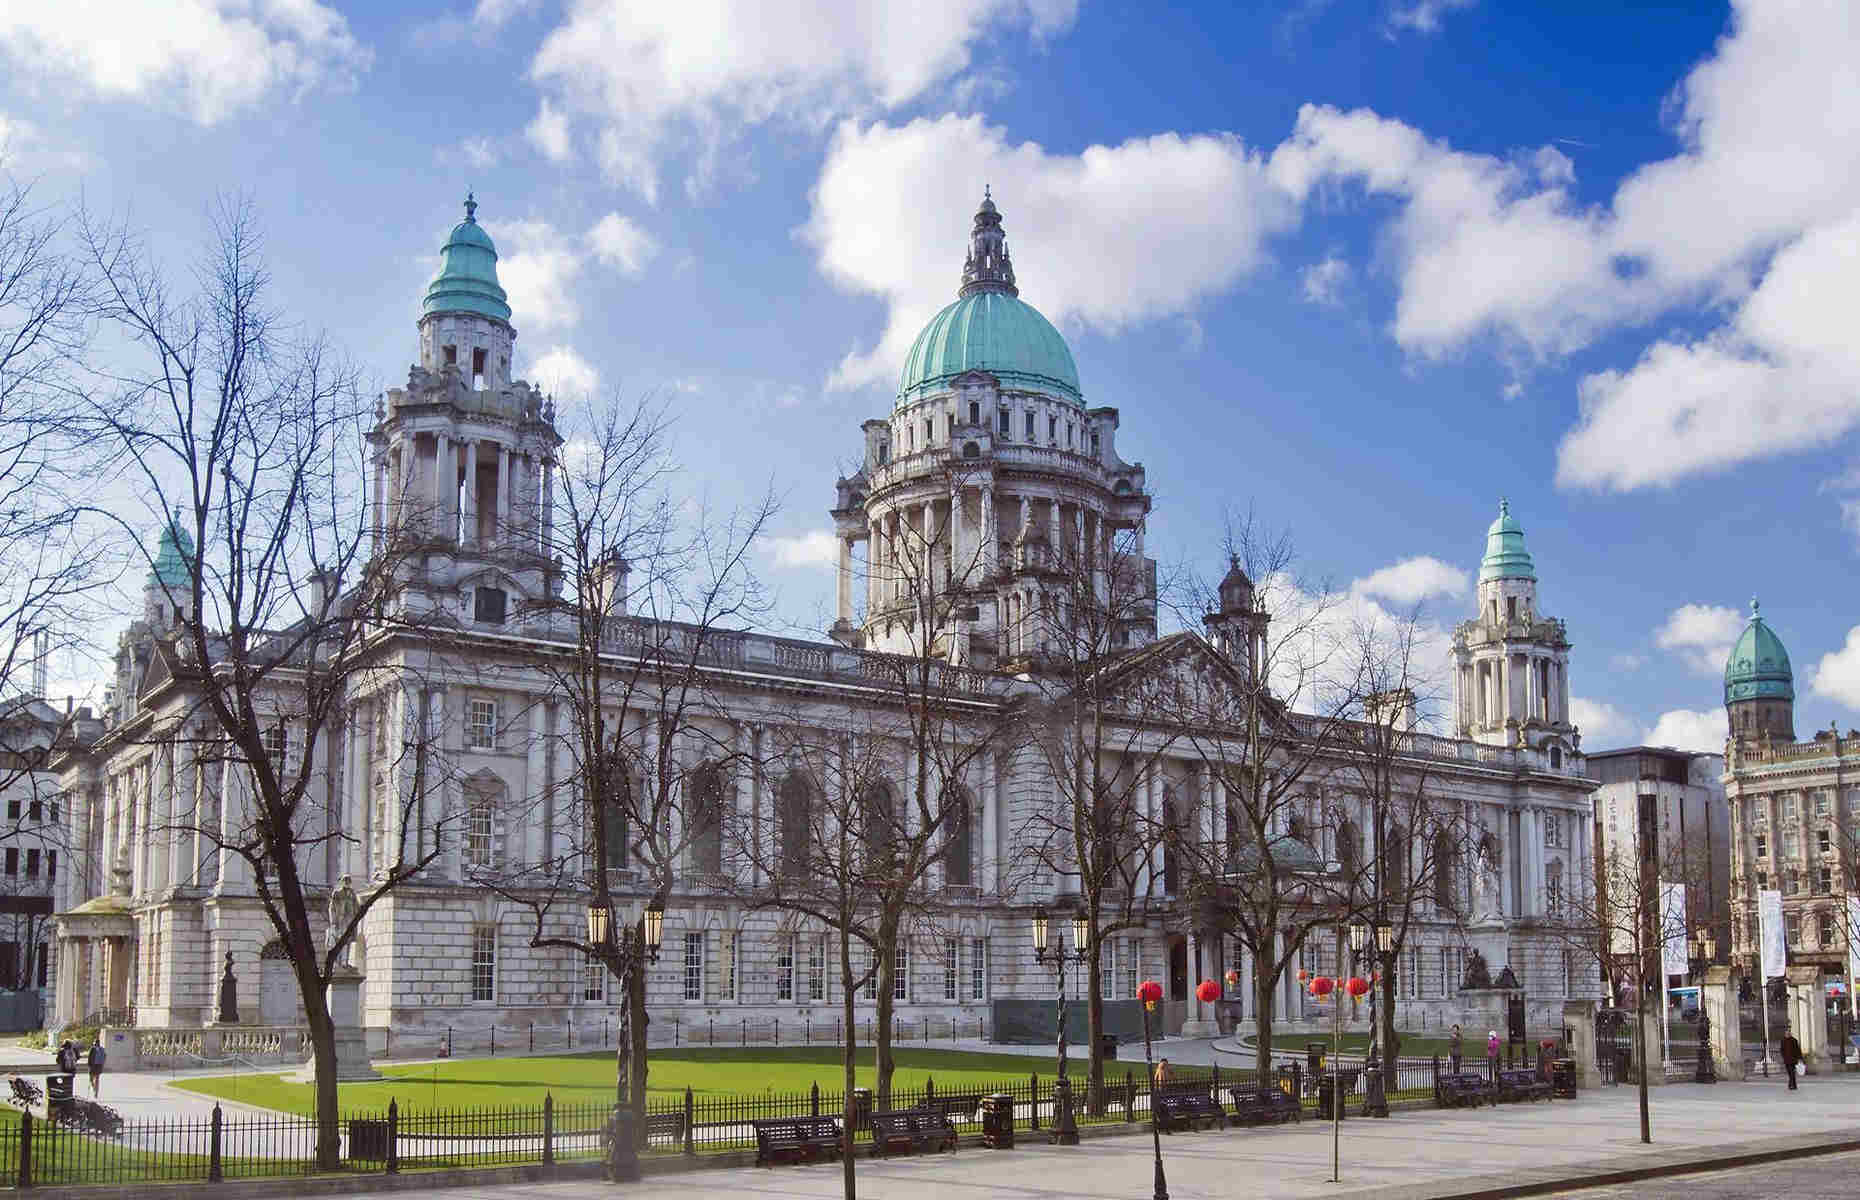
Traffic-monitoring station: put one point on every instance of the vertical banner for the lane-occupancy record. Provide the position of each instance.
(1770, 934)
(1853, 944)
(1673, 948)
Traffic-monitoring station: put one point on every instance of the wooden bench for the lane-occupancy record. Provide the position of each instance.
(1522, 1085)
(1180, 1105)
(796, 1139)
(665, 1127)
(911, 1128)
(1464, 1090)
(1261, 1106)
(966, 1106)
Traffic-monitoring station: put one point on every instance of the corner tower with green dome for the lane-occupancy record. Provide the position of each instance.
(1759, 684)
(989, 482)
(1511, 663)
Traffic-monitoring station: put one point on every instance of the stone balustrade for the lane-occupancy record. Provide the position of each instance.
(150, 1049)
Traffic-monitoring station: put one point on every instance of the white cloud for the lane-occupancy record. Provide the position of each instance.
(1683, 729)
(1424, 16)
(621, 244)
(492, 15)
(1701, 634)
(549, 133)
(479, 152)
(1601, 723)
(562, 372)
(1323, 282)
(1837, 675)
(1106, 238)
(644, 74)
(209, 57)
(815, 548)
(1412, 580)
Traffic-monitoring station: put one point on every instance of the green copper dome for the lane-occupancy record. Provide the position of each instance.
(172, 555)
(1758, 668)
(467, 279)
(990, 328)
(1505, 556)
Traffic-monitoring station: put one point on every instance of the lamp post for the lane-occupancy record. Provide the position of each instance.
(1150, 992)
(629, 947)
(1065, 1129)
(1375, 1096)
(1707, 947)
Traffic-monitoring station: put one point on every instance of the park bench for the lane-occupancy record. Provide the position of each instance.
(25, 1093)
(1464, 1089)
(796, 1139)
(665, 1128)
(1186, 1105)
(910, 1128)
(965, 1106)
(1260, 1106)
(1522, 1085)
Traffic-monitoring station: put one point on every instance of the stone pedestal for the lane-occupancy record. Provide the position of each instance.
(1652, 1032)
(1808, 1017)
(1718, 1001)
(1579, 1022)
(345, 1013)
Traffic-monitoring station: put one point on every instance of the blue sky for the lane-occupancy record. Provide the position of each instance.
(1364, 265)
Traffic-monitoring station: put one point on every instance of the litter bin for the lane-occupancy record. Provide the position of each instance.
(368, 1140)
(998, 1121)
(1327, 1096)
(861, 1109)
(1563, 1078)
(1107, 1046)
(58, 1093)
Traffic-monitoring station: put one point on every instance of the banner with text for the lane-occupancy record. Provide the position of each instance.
(1770, 934)
(1673, 928)
(1853, 943)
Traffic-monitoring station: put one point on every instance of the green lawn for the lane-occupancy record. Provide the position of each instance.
(589, 1078)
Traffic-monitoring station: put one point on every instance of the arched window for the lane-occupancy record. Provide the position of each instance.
(795, 810)
(1349, 851)
(879, 814)
(1446, 882)
(704, 818)
(1395, 862)
(958, 839)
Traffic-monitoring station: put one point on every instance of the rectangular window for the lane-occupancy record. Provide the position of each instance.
(732, 942)
(1107, 967)
(1763, 881)
(1052, 430)
(929, 433)
(12, 809)
(871, 983)
(1763, 846)
(484, 964)
(277, 742)
(1823, 842)
(1793, 928)
(480, 836)
(784, 970)
(1789, 805)
(1030, 427)
(1821, 804)
(1005, 423)
(901, 986)
(817, 968)
(952, 971)
(1553, 831)
(36, 810)
(1094, 445)
(40, 971)
(694, 966)
(1133, 965)
(978, 968)
(481, 724)
(51, 866)
(594, 986)
(1826, 881)
(12, 860)
(32, 864)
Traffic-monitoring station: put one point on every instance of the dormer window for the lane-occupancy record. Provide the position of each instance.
(488, 604)
(975, 412)
(477, 370)
(452, 356)
(1094, 446)
(884, 452)
(1511, 608)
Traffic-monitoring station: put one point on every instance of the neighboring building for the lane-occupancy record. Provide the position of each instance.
(1795, 807)
(1694, 824)
(991, 438)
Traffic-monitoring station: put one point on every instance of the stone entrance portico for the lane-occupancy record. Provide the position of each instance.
(96, 967)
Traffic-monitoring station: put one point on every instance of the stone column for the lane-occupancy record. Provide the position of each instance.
(958, 558)
(444, 501)
(535, 792)
(845, 580)
(375, 502)
(990, 539)
(1579, 1020)
(1718, 996)
(502, 507)
(468, 498)
(1808, 1017)
(548, 505)
(743, 800)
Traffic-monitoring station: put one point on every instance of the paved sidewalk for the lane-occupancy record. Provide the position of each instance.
(1414, 1154)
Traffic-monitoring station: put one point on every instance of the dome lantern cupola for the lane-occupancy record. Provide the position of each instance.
(1759, 683)
(988, 268)
(467, 279)
(1505, 555)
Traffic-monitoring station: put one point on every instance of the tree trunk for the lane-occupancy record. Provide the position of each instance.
(1264, 980)
(1386, 1020)
(883, 1063)
(636, 1034)
(1094, 1021)
(848, 1060)
(323, 1053)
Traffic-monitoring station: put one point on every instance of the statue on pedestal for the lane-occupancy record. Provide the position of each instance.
(229, 995)
(1478, 975)
(1489, 908)
(342, 909)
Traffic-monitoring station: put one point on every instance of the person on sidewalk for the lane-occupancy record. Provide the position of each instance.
(95, 1060)
(1455, 1047)
(1791, 1056)
(67, 1058)
(1491, 1054)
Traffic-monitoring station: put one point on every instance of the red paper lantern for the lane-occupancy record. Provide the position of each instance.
(1207, 991)
(1322, 986)
(1357, 986)
(1149, 991)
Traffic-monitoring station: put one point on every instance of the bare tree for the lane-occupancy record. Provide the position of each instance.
(248, 443)
(655, 591)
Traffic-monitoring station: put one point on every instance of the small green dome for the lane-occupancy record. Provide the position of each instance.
(994, 332)
(1758, 668)
(1505, 556)
(990, 328)
(172, 555)
(467, 279)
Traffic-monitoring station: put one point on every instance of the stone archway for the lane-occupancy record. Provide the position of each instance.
(278, 1000)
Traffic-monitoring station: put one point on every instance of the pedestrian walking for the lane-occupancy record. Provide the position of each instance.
(96, 1063)
(1162, 1072)
(1455, 1047)
(1791, 1056)
(67, 1057)
(1491, 1054)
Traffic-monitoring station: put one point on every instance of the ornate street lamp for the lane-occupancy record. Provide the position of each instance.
(630, 946)
(1065, 1129)
(1707, 947)
(1375, 1095)
(1150, 992)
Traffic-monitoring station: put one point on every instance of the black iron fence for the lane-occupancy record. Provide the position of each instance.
(34, 1151)
(677, 1030)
